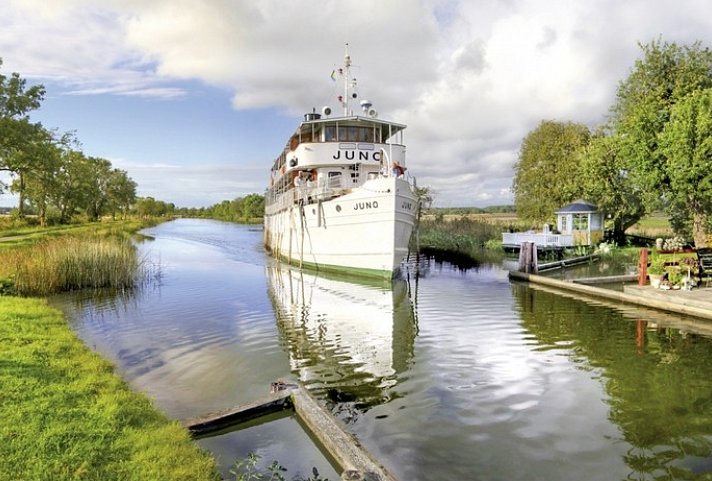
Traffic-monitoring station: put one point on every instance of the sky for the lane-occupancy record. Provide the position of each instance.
(196, 98)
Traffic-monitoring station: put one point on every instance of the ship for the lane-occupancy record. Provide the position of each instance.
(340, 197)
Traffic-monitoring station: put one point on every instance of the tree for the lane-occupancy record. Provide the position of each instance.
(37, 179)
(16, 100)
(121, 192)
(686, 143)
(253, 206)
(665, 74)
(606, 182)
(547, 174)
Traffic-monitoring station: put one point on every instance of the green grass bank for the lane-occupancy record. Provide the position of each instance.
(65, 414)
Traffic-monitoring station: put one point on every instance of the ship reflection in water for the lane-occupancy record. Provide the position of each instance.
(348, 342)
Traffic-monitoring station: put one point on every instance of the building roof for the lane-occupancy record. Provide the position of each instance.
(578, 207)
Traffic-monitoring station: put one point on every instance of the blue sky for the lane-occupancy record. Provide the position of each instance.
(195, 98)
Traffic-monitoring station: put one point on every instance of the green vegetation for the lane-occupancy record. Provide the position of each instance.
(246, 470)
(67, 416)
(476, 237)
(652, 155)
(248, 209)
(71, 263)
(38, 262)
(52, 177)
(543, 182)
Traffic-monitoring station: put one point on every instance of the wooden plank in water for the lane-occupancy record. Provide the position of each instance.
(357, 463)
(219, 420)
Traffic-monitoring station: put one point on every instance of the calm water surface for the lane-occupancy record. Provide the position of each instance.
(443, 374)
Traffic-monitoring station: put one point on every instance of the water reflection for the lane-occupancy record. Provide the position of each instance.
(347, 341)
(450, 373)
(658, 378)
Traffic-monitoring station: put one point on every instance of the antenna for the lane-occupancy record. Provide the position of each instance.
(347, 78)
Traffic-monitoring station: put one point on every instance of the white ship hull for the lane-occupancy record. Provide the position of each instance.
(365, 231)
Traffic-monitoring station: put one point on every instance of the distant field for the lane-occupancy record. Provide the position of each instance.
(656, 225)
(504, 218)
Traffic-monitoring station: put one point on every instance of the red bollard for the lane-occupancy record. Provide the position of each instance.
(643, 267)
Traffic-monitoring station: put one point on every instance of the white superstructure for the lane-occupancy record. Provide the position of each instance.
(339, 197)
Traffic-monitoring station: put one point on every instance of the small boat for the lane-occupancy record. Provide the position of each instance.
(340, 197)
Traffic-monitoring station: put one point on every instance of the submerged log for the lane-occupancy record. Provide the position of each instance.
(355, 462)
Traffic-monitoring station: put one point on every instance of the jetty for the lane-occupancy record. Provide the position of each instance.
(354, 461)
(697, 302)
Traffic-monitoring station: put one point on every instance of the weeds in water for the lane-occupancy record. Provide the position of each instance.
(246, 470)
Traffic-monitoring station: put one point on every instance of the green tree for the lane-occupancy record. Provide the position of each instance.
(121, 192)
(686, 144)
(24, 142)
(16, 100)
(665, 74)
(606, 182)
(38, 180)
(547, 174)
(253, 206)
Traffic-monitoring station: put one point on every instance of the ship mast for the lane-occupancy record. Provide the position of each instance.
(348, 80)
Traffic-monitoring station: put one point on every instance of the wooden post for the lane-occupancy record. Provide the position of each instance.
(643, 267)
(523, 253)
(528, 258)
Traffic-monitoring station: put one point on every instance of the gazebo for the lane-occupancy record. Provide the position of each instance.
(582, 220)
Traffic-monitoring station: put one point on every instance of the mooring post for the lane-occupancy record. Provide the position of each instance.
(528, 258)
(643, 267)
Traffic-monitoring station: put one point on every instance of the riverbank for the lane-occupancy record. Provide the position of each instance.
(67, 415)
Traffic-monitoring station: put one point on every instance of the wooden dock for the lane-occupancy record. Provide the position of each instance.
(697, 303)
(355, 462)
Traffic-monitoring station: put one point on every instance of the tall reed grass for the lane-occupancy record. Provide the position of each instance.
(476, 238)
(460, 234)
(69, 263)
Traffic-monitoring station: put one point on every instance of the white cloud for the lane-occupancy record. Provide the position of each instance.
(470, 78)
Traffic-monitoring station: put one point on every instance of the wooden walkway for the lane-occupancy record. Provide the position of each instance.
(697, 303)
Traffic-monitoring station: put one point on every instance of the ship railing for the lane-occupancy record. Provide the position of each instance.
(309, 192)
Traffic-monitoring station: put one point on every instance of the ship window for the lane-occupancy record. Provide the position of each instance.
(334, 179)
(330, 133)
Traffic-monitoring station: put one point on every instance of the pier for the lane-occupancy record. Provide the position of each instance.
(697, 303)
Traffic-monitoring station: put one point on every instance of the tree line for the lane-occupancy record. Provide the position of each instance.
(52, 177)
(654, 152)
(56, 181)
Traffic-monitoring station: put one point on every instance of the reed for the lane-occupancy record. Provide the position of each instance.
(72, 262)
(460, 234)
(476, 238)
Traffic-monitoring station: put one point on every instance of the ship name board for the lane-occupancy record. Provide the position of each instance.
(351, 155)
(366, 205)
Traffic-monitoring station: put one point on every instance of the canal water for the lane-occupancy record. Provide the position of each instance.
(445, 373)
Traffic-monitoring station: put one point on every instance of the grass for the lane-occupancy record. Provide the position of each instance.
(67, 416)
(653, 226)
(474, 237)
(70, 263)
(38, 262)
